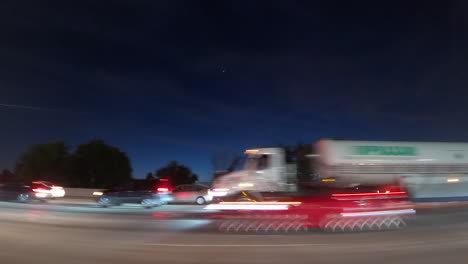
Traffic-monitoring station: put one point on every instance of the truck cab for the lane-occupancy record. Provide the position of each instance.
(264, 170)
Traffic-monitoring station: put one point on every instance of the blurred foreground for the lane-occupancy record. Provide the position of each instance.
(51, 233)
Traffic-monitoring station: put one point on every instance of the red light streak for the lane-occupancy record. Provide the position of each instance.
(272, 203)
(40, 190)
(367, 194)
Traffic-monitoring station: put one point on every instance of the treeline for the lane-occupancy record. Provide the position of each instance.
(94, 164)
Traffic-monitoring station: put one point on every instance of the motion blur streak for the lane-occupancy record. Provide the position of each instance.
(256, 203)
(367, 194)
(389, 212)
(251, 205)
(34, 213)
(453, 180)
(247, 207)
(37, 190)
(102, 237)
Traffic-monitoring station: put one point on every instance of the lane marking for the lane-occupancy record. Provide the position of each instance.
(233, 245)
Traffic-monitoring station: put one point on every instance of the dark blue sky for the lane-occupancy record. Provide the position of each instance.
(181, 80)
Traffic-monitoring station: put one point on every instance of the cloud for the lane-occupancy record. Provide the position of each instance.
(26, 107)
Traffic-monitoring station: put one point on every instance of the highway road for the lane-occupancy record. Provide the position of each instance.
(54, 233)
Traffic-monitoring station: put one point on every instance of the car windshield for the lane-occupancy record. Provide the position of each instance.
(48, 184)
(257, 162)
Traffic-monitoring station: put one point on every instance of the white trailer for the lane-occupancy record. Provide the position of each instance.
(431, 171)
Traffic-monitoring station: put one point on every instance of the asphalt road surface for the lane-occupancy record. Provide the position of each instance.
(51, 233)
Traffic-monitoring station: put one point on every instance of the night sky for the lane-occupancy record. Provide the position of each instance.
(181, 80)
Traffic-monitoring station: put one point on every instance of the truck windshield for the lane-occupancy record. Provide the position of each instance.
(257, 162)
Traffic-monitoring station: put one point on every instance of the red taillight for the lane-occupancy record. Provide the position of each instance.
(40, 190)
(164, 180)
(162, 189)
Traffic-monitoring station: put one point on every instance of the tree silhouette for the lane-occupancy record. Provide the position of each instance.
(149, 176)
(99, 165)
(150, 180)
(44, 162)
(7, 176)
(177, 174)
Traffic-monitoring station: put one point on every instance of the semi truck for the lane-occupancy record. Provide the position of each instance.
(428, 171)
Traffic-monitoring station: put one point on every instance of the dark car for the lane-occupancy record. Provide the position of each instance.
(146, 197)
(24, 193)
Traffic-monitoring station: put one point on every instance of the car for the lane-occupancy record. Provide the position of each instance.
(146, 197)
(191, 193)
(24, 193)
(55, 190)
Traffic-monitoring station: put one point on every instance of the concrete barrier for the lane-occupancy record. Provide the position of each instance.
(80, 192)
